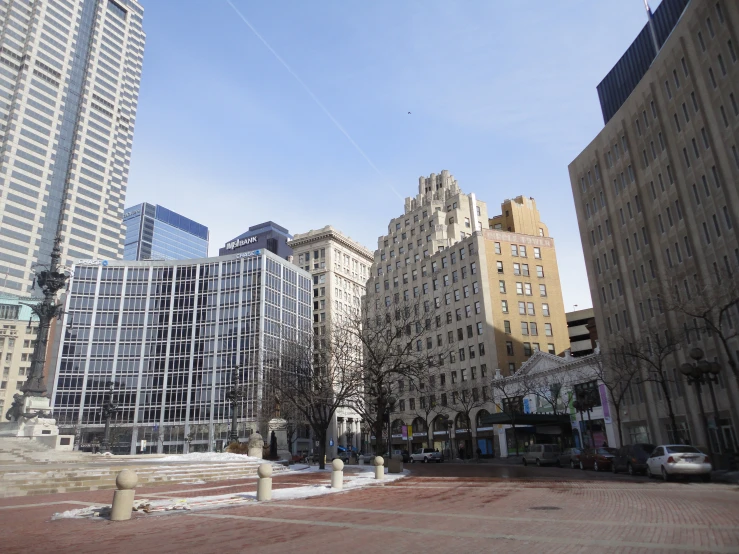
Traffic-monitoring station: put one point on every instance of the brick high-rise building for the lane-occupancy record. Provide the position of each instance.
(658, 207)
(496, 299)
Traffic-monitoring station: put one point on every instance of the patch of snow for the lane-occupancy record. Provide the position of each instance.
(209, 457)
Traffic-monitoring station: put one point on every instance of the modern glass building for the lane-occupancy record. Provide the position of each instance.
(69, 90)
(168, 334)
(156, 233)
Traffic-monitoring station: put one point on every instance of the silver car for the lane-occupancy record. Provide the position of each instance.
(669, 460)
(426, 455)
(542, 454)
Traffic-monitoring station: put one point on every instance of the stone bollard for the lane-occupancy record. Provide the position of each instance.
(379, 467)
(126, 482)
(264, 486)
(337, 475)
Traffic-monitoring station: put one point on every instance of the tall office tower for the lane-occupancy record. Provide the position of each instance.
(169, 334)
(68, 94)
(16, 346)
(155, 233)
(495, 296)
(340, 269)
(265, 236)
(658, 207)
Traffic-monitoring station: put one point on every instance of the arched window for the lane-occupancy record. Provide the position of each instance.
(478, 419)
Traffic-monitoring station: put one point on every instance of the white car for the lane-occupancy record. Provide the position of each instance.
(669, 460)
(426, 455)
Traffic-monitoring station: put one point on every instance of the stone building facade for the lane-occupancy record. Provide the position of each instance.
(658, 209)
(339, 268)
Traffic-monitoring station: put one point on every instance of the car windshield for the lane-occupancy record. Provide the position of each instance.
(610, 451)
(681, 449)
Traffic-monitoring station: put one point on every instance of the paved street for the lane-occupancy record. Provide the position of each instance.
(438, 508)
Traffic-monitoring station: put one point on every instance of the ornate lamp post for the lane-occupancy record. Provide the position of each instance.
(389, 410)
(235, 395)
(108, 409)
(700, 373)
(585, 403)
(51, 280)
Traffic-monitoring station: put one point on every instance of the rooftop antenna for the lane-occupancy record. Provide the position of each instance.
(652, 31)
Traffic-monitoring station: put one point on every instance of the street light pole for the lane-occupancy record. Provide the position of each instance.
(108, 409)
(715, 368)
(698, 374)
(234, 395)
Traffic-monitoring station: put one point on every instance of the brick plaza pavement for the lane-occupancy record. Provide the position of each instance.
(439, 509)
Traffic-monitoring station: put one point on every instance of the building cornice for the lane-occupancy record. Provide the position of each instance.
(329, 233)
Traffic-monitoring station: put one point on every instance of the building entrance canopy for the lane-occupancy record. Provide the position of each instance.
(525, 419)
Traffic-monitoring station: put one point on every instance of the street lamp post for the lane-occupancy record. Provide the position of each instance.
(51, 280)
(700, 373)
(389, 410)
(108, 409)
(235, 395)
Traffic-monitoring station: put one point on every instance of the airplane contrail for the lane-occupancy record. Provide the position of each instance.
(313, 96)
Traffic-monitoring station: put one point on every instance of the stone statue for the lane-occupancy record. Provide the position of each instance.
(277, 407)
(256, 445)
(16, 409)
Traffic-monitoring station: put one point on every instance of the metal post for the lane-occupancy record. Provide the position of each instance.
(721, 443)
(703, 417)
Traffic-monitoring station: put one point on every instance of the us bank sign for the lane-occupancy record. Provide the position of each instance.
(241, 242)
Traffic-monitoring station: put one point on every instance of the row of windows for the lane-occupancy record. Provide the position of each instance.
(523, 288)
(528, 328)
(522, 269)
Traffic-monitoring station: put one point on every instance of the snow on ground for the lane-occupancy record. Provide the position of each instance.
(352, 481)
(208, 457)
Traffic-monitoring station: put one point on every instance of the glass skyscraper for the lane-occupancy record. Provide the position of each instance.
(69, 84)
(156, 233)
(169, 333)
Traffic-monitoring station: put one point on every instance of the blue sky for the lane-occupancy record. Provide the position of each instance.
(502, 94)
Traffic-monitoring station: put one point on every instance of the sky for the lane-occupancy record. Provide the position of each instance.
(308, 125)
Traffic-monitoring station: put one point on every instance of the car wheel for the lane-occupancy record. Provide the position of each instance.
(538, 462)
(650, 475)
(426, 460)
(595, 466)
(582, 466)
(706, 478)
(524, 461)
(572, 464)
(665, 476)
(613, 467)
(630, 470)
(438, 461)
(412, 460)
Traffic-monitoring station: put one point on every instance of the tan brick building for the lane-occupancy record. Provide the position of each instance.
(496, 298)
(16, 346)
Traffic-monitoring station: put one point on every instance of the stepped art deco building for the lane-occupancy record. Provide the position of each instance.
(492, 286)
(168, 335)
(658, 209)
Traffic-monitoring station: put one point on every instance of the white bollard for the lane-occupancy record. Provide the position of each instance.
(264, 486)
(379, 464)
(126, 482)
(337, 475)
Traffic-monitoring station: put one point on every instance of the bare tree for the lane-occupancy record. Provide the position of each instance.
(397, 342)
(508, 395)
(653, 354)
(708, 309)
(551, 387)
(465, 399)
(314, 377)
(618, 372)
(429, 406)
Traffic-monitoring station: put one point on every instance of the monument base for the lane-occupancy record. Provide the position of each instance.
(35, 424)
(279, 426)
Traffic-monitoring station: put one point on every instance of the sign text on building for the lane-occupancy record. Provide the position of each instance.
(241, 242)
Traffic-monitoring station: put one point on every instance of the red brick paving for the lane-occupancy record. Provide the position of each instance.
(456, 513)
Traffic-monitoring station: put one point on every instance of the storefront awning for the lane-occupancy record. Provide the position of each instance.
(524, 419)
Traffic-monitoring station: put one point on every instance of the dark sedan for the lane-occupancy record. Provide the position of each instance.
(632, 458)
(570, 457)
(599, 459)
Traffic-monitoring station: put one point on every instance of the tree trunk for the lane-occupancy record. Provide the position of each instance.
(730, 357)
(322, 448)
(619, 439)
(379, 429)
(515, 437)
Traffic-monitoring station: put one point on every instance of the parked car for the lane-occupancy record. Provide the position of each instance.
(570, 457)
(599, 459)
(541, 454)
(399, 454)
(426, 455)
(669, 460)
(632, 458)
